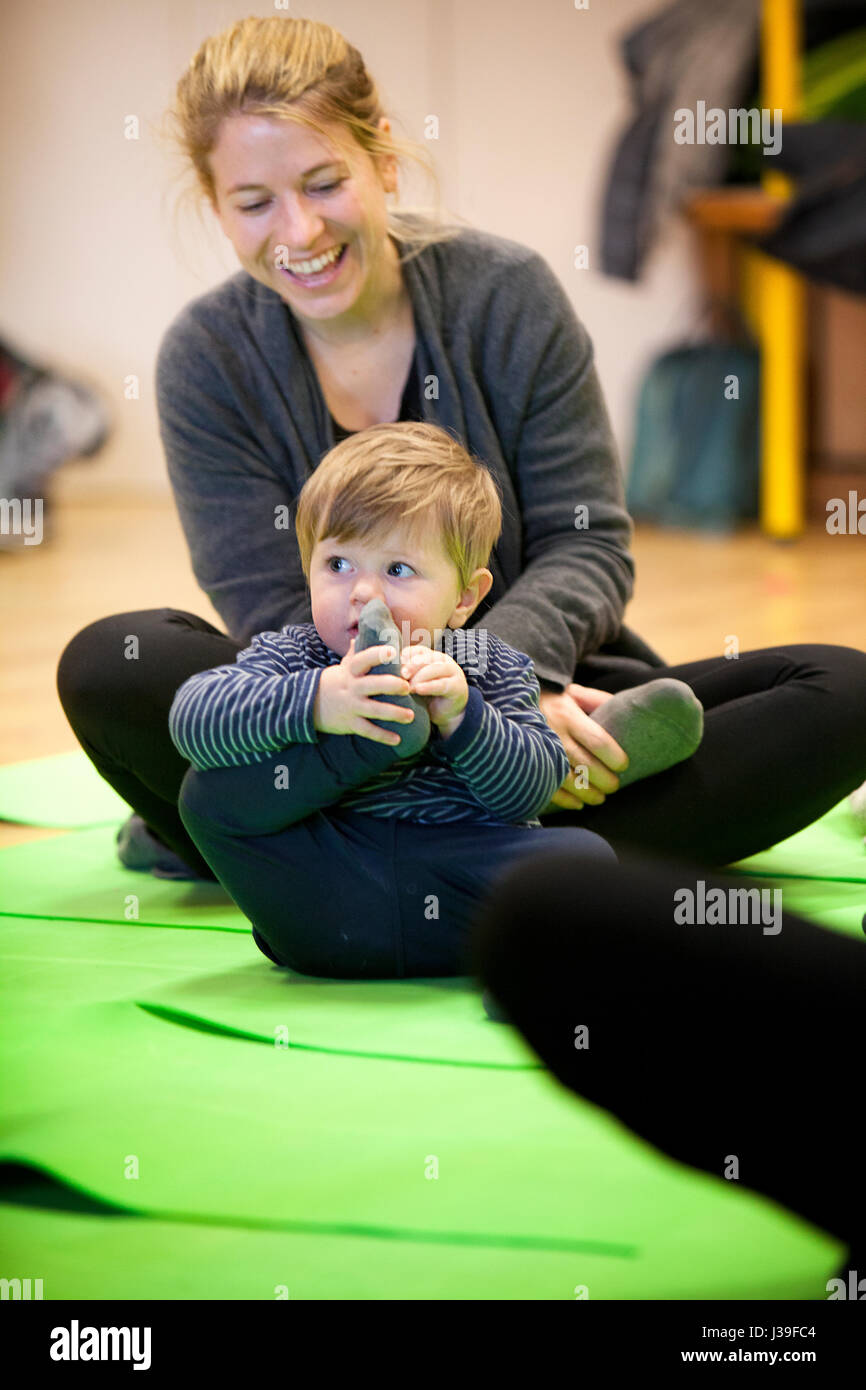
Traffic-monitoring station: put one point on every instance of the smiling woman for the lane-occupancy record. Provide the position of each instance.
(295, 160)
(422, 331)
(311, 230)
(421, 319)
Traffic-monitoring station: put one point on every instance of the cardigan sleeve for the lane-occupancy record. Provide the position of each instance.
(578, 573)
(237, 514)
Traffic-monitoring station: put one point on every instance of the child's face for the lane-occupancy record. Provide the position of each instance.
(417, 581)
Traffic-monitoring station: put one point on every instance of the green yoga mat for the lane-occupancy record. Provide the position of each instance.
(221, 983)
(342, 1139)
(64, 790)
(497, 1178)
(79, 877)
(830, 848)
(115, 1256)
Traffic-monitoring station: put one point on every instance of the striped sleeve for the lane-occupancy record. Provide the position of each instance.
(239, 713)
(504, 750)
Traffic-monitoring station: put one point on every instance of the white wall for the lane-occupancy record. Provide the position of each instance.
(530, 99)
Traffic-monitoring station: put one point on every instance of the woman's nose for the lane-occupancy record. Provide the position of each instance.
(301, 227)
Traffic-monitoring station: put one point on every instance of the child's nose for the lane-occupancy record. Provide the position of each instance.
(368, 587)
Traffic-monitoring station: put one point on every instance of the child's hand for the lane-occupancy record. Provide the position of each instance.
(438, 676)
(344, 696)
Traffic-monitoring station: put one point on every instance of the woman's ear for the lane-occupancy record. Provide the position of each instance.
(387, 164)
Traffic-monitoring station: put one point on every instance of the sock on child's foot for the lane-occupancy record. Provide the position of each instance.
(375, 627)
(656, 724)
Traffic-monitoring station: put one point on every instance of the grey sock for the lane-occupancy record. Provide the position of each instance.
(656, 724)
(375, 627)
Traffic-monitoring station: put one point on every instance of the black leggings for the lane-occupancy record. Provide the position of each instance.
(714, 1042)
(784, 736)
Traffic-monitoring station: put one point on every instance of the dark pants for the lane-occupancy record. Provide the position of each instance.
(333, 892)
(714, 1042)
(784, 736)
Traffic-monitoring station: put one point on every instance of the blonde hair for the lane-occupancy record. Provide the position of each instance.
(409, 475)
(296, 70)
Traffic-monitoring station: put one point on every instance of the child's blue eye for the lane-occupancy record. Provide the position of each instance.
(401, 563)
(335, 559)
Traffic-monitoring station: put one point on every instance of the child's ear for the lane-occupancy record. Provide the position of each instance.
(477, 589)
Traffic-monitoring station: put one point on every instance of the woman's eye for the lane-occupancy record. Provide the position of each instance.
(320, 188)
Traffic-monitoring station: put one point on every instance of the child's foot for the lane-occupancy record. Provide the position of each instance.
(375, 627)
(656, 724)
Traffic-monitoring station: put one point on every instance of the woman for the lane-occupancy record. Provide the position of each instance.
(259, 377)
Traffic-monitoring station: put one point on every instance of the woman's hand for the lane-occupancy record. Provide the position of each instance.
(344, 696)
(437, 675)
(587, 744)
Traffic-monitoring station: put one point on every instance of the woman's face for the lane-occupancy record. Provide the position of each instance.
(285, 195)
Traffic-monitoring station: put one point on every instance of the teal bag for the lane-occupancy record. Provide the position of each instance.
(696, 455)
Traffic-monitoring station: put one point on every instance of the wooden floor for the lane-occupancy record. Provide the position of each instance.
(694, 594)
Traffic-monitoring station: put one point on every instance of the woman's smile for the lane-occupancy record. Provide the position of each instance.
(324, 275)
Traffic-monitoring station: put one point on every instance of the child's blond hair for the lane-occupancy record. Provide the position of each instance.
(409, 475)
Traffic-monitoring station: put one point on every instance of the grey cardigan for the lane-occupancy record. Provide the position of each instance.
(501, 359)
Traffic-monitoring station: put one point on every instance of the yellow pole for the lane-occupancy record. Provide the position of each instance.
(782, 301)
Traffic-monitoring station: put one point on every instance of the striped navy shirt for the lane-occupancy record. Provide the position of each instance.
(501, 766)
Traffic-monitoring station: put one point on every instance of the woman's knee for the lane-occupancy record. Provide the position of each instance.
(841, 672)
(89, 658)
(849, 663)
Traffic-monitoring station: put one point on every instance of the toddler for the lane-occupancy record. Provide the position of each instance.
(358, 782)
